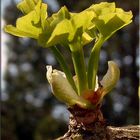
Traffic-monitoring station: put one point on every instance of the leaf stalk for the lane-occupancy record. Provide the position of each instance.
(80, 70)
(64, 66)
(93, 63)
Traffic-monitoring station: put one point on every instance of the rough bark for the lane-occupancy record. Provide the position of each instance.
(131, 132)
(90, 125)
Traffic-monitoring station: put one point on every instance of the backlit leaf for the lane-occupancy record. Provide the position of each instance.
(111, 77)
(110, 23)
(83, 19)
(102, 8)
(109, 19)
(32, 24)
(17, 32)
(63, 91)
(25, 24)
(63, 31)
(27, 6)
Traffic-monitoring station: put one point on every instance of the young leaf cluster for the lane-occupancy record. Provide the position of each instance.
(74, 30)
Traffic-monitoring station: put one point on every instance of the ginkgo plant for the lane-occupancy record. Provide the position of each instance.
(73, 31)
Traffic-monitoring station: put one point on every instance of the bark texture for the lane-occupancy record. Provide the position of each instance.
(131, 132)
(90, 125)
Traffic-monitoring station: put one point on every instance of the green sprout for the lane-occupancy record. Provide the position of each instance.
(74, 31)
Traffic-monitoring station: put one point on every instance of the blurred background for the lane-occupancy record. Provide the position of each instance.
(29, 110)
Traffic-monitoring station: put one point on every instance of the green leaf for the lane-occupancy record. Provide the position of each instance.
(24, 28)
(44, 16)
(27, 6)
(63, 91)
(37, 13)
(82, 27)
(63, 31)
(56, 18)
(110, 23)
(86, 38)
(109, 19)
(89, 35)
(102, 8)
(25, 24)
(17, 32)
(30, 25)
(48, 37)
(24, 7)
(83, 19)
(69, 28)
(111, 77)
